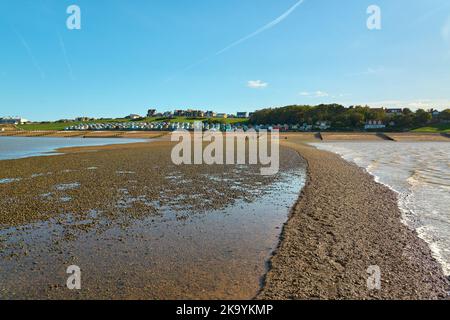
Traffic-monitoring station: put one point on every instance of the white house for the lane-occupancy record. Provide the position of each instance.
(242, 115)
(133, 117)
(210, 114)
(15, 120)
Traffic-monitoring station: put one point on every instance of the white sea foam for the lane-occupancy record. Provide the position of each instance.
(419, 172)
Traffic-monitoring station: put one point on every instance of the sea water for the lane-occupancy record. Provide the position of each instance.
(420, 173)
(24, 147)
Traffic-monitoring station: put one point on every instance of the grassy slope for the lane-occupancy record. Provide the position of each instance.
(62, 126)
(438, 128)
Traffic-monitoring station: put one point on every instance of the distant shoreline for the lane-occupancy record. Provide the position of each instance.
(306, 136)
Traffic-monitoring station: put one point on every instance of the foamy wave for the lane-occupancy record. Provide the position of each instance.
(426, 234)
(414, 180)
(418, 174)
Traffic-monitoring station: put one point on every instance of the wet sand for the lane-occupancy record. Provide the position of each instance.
(330, 136)
(411, 136)
(98, 207)
(138, 226)
(344, 223)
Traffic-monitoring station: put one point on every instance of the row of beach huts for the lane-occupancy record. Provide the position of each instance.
(167, 126)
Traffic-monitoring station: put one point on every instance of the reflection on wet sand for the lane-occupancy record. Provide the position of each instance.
(170, 243)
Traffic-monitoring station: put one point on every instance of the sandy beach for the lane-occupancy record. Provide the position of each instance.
(196, 153)
(139, 226)
(343, 223)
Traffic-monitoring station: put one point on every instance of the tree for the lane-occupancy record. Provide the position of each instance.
(407, 111)
(422, 117)
(356, 119)
(445, 115)
(341, 117)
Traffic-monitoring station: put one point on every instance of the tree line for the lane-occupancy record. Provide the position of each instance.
(340, 117)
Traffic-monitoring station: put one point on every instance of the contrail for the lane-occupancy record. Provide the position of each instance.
(431, 13)
(30, 54)
(66, 58)
(260, 30)
(248, 37)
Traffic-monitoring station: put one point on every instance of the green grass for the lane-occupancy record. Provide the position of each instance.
(44, 126)
(57, 126)
(437, 128)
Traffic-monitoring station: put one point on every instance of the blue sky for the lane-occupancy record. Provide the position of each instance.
(131, 55)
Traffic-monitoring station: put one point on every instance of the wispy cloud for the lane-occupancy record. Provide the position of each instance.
(266, 27)
(66, 58)
(30, 54)
(316, 94)
(371, 71)
(257, 84)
